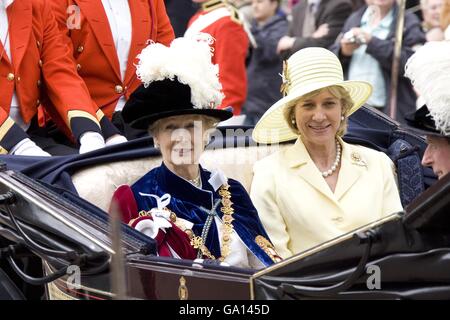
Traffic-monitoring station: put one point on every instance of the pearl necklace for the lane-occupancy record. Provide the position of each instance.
(335, 164)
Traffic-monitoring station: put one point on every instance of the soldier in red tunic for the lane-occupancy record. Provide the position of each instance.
(222, 22)
(36, 65)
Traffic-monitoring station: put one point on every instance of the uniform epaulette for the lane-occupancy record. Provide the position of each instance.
(234, 14)
(216, 4)
(212, 5)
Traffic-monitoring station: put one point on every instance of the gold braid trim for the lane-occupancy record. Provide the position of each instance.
(268, 248)
(212, 5)
(227, 227)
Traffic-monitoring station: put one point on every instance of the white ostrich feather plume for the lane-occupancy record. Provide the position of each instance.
(429, 71)
(189, 60)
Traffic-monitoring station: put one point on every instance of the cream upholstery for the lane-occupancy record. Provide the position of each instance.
(97, 184)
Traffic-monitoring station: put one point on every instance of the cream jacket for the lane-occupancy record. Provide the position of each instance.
(298, 208)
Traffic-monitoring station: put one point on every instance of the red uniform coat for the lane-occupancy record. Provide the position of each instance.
(40, 57)
(93, 46)
(230, 50)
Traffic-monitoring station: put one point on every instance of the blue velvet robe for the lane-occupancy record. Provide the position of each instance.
(187, 199)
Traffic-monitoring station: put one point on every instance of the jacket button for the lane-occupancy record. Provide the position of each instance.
(40, 63)
(10, 76)
(78, 67)
(80, 49)
(38, 102)
(39, 83)
(38, 43)
(118, 89)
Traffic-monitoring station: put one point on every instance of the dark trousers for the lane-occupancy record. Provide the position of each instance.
(53, 141)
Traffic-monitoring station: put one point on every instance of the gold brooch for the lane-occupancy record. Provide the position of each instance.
(286, 81)
(357, 159)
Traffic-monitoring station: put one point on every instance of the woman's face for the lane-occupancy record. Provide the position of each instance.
(181, 139)
(263, 9)
(431, 13)
(383, 3)
(318, 118)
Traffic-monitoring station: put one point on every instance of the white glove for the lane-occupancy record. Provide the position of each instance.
(115, 139)
(26, 147)
(91, 141)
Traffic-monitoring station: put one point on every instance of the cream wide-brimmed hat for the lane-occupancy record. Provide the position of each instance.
(305, 71)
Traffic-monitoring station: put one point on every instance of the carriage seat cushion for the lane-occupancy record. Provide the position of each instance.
(97, 184)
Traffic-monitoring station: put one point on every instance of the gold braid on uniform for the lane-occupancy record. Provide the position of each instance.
(227, 227)
(215, 4)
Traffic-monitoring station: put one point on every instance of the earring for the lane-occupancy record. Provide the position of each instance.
(342, 118)
(293, 122)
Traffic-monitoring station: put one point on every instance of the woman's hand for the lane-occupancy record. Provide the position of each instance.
(353, 39)
(347, 47)
(363, 36)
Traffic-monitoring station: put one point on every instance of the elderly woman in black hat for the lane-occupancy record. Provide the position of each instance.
(429, 71)
(191, 212)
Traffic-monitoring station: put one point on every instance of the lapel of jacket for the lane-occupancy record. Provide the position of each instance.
(352, 166)
(299, 160)
(95, 14)
(21, 18)
(141, 26)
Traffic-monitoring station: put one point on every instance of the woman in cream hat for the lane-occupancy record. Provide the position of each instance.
(320, 187)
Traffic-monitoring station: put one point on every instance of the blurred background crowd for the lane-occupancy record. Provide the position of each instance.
(361, 32)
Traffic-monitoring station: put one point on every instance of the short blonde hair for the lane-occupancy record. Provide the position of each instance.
(337, 92)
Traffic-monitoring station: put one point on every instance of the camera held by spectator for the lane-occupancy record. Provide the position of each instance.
(356, 39)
